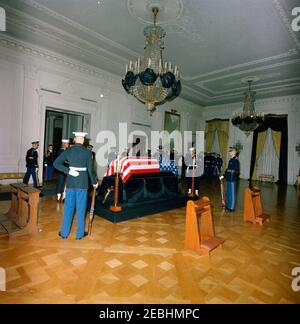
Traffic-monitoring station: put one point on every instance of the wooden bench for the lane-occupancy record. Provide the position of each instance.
(11, 175)
(22, 217)
(266, 177)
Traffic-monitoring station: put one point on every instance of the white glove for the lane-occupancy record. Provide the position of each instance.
(73, 173)
(96, 185)
(221, 177)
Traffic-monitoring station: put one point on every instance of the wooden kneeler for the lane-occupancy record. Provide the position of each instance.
(253, 211)
(199, 229)
(22, 218)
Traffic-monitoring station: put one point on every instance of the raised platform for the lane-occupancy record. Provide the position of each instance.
(140, 196)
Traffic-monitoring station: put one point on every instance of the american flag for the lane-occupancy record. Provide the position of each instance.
(132, 165)
(167, 165)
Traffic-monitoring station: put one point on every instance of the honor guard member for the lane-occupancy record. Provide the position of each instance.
(60, 185)
(219, 163)
(232, 175)
(193, 170)
(78, 173)
(48, 162)
(32, 164)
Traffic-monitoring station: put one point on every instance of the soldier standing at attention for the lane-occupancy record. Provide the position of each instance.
(79, 170)
(193, 171)
(60, 185)
(32, 164)
(232, 175)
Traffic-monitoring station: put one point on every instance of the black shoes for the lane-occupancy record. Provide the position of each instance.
(63, 237)
(79, 238)
(227, 210)
(85, 234)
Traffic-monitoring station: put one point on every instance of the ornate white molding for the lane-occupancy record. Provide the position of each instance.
(284, 55)
(78, 26)
(249, 71)
(169, 11)
(29, 49)
(67, 40)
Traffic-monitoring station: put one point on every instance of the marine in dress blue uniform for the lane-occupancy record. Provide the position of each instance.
(32, 164)
(78, 173)
(232, 175)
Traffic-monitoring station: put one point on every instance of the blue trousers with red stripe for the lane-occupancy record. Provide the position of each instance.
(75, 198)
(231, 188)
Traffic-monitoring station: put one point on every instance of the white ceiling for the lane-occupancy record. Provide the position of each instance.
(215, 43)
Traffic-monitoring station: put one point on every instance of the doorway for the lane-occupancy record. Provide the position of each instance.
(60, 124)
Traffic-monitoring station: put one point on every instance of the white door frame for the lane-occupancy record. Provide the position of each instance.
(63, 103)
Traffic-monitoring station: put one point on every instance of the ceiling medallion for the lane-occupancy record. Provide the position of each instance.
(169, 10)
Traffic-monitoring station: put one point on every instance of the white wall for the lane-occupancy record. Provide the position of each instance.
(289, 105)
(26, 70)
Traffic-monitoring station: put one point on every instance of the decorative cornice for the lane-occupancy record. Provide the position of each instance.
(78, 26)
(284, 55)
(27, 49)
(66, 40)
(260, 103)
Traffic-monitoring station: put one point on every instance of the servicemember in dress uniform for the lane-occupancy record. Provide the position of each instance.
(60, 185)
(78, 173)
(48, 162)
(219, 163)
(193, 170)
(32, 164)
(232, 175)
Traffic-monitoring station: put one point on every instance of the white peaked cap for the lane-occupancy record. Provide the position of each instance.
(65, 141)
(80, 134)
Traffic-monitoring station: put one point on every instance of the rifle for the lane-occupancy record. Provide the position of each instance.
(222, 191)
(92, 211)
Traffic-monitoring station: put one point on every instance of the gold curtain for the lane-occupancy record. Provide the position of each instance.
(209, 140)
(223, 134)
(261, 139)
(276, 136)
(222, 128)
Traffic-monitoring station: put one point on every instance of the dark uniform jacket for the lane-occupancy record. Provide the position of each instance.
(191, 164)
(49, 158)
(219, 162)
(233, 170)
(32, 158)
(80, 157)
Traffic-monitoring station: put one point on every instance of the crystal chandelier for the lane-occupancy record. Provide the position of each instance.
(150, 79)
(248, 120)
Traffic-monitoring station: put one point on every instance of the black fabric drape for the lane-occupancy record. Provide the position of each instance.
(279, 124)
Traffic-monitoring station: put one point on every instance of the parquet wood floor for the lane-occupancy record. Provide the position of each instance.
(144, 261)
